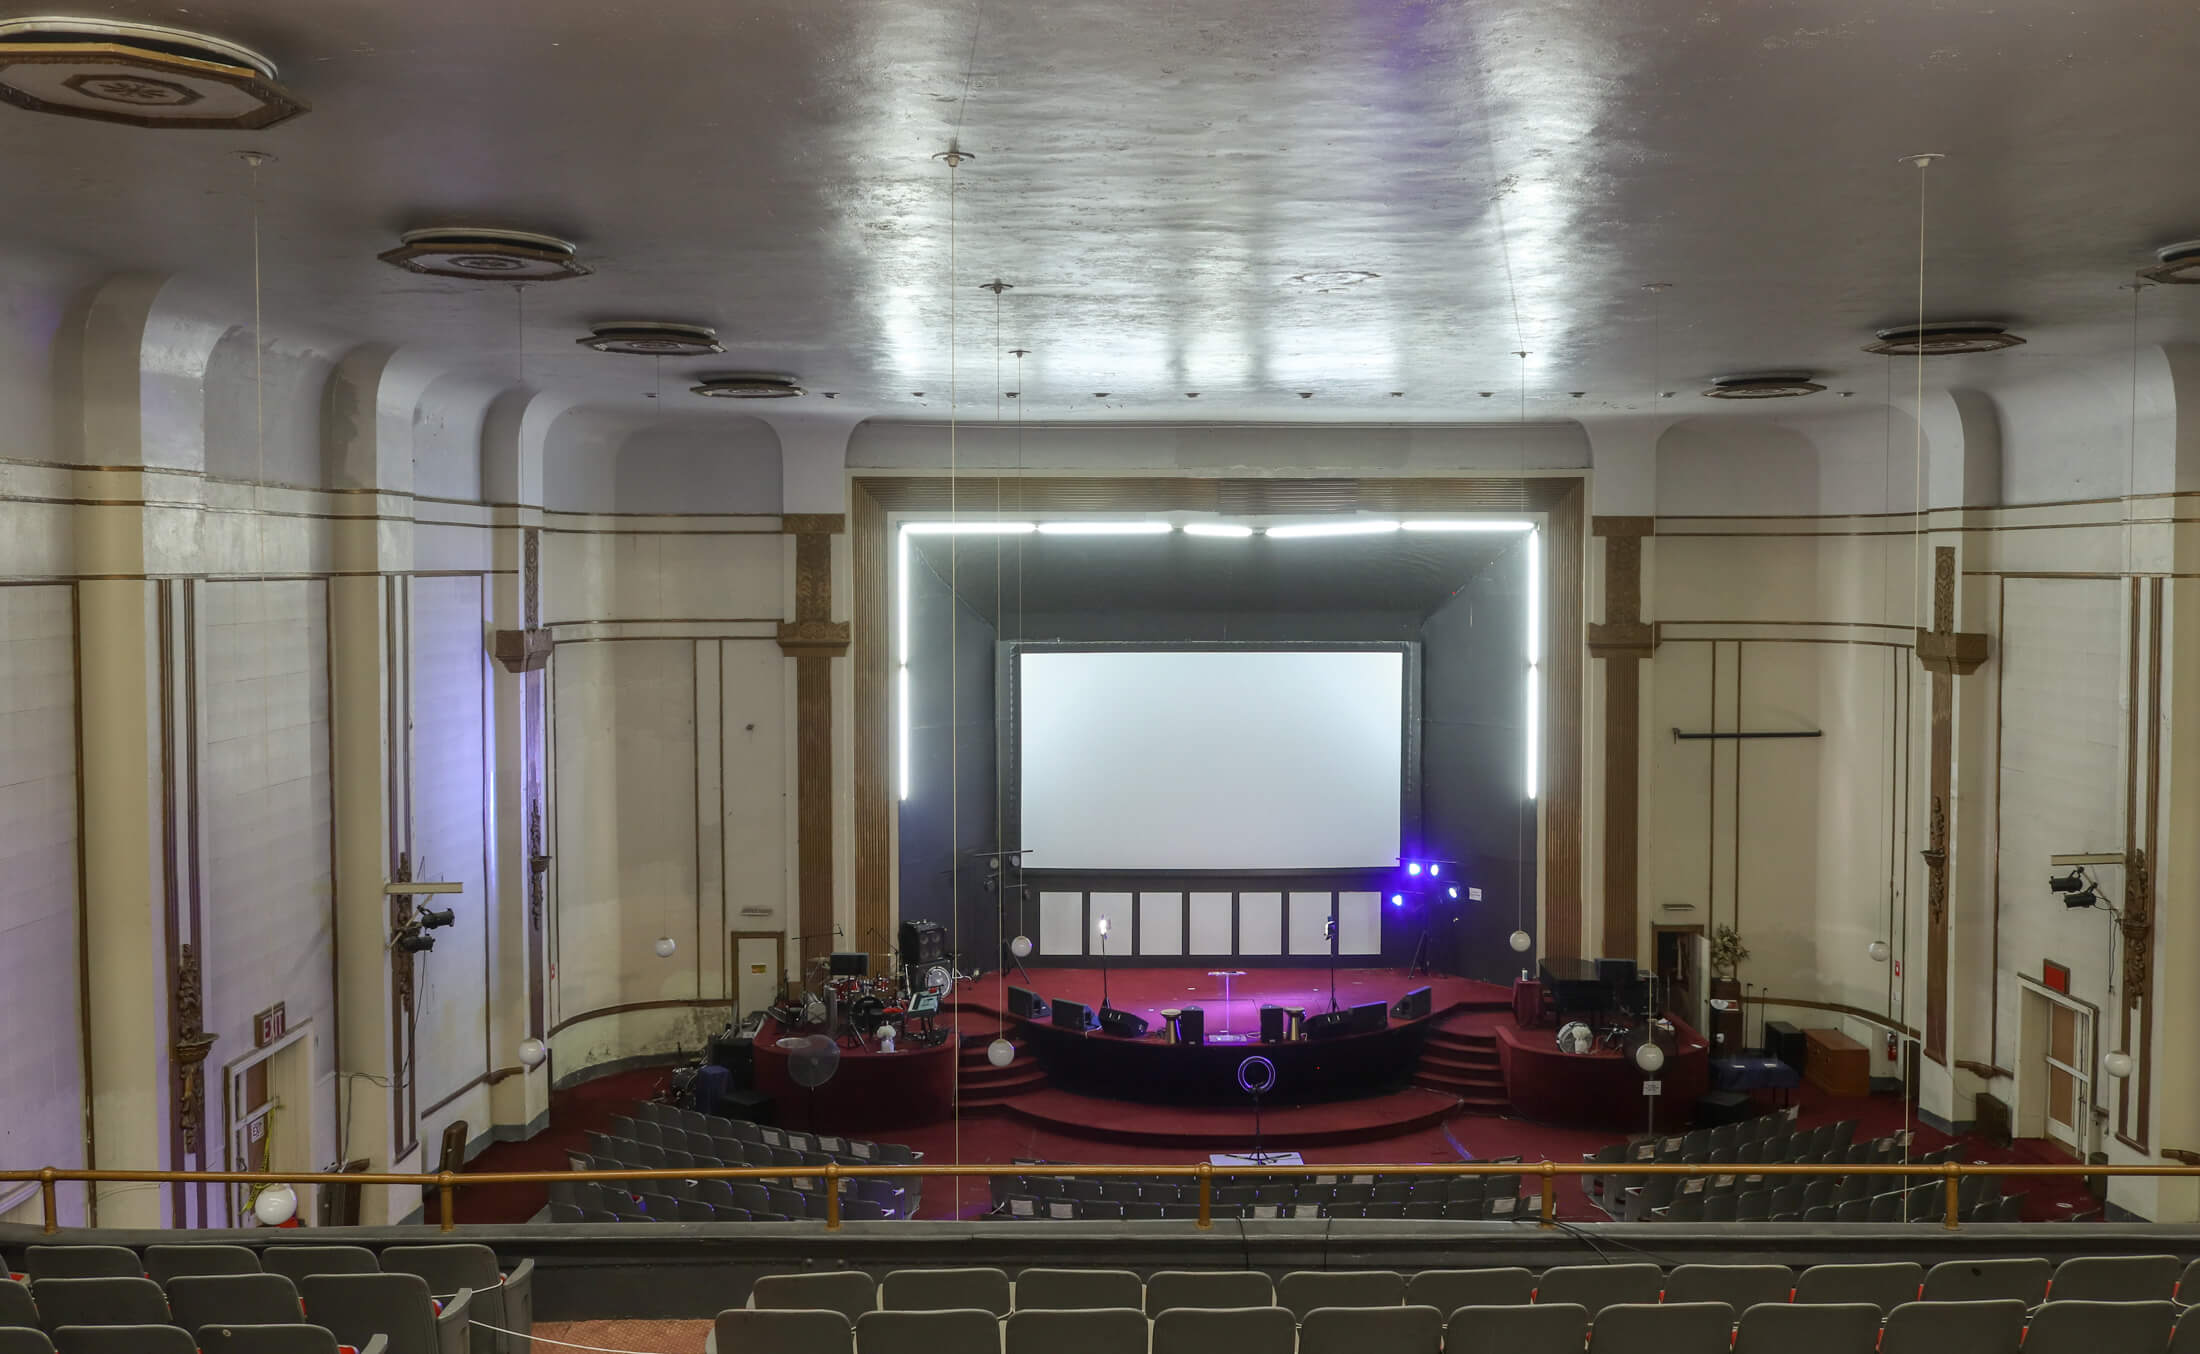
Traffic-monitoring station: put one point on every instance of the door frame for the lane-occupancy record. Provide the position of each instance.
(1701, 994)
(2029, 1114)
(733, 965)
(232, 1075)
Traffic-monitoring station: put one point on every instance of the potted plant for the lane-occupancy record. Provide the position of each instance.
(1727, 951)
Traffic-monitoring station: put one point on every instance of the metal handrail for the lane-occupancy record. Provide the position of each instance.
(447, 1183)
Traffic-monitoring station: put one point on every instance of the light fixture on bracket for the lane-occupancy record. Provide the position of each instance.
(1763, 386)
(652, 338)
(140, 75)
(1942, 338)
(2176, 264)
(747, 386)
(485, 254)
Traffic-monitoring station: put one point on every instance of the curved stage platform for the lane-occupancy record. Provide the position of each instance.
(869, 1091)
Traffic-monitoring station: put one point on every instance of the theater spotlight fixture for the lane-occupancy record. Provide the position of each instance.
(2176, 264)
(1943, 338)
(1397, 900)
(1779, 386)
(140, 75)
(748, 386)
(485, 254)
(2077, 888)
(1413, 867)
(653, 338)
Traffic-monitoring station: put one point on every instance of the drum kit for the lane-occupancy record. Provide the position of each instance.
(853, 1008)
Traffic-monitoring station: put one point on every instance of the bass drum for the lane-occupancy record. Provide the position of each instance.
(865, 1014)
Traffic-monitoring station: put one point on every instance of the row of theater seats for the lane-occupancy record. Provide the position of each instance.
(438, 1299)
(1026, 1197)
(667, 1126)
(1961, 1307)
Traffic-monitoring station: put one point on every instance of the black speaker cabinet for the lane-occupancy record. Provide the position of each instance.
(1122, 1024)
(1072, 1015)
(1025, 1004)
(922, 942)
(1415, 1005)
(1370, 1017)
(1329, 1025)
(1271, 1024)
(1785, 1042)
(1191, 1024)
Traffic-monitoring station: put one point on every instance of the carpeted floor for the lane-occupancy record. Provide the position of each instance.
(627, 1334)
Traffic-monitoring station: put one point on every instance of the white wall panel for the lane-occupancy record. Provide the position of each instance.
(1115, 910)
(41, 1068)
(1211, 922)
(1260, 924)
(1061, 923)
(1161, 923)
(1359, 923)
(1309, 922)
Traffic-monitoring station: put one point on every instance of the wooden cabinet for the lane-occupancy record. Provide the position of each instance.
(1836, 1064)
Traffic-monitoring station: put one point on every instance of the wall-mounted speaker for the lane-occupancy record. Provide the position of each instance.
(1072, 1015)
(1122, 1024)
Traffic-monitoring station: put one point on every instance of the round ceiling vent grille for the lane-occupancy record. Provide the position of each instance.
(1946, 338)
(1772, 386)
(2176, 264)
(485, 255)
(653, 338)
(140, 75)
(748, 387)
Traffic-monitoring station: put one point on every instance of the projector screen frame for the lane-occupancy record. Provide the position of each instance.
(1008, 748)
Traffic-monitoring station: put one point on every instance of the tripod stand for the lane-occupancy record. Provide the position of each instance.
(1329, 929)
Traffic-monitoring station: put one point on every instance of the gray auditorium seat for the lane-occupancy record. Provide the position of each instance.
(1807, 1328)
(1084, 1330)
(940, 1290)
(31, 1340)
(294, 1338)
(163, 1263)
(16, 1307)
(98, 1302)
(1301, 1291)
(2187, 1338)
(1738, 1286)
(2115, 1278)
(296, 1262)
(850, 1292)
(1447, 1290)
(1061, 1290)
(124, 1340)
(748, 1330)
(82, 1262)
(1667, 1328)
(358, 1307)
(2024, 1279)
(1240, 1330)
(1172, 1288)
(196, 1300)
(1885, 1286)
(1355, 1330)
(1546, 1328)
(1599, 1286)
(502, 1298)
(933, 1330)
(2081, 1326)
(1988, 1327)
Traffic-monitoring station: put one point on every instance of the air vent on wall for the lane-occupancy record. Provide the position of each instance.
(653, 338)
(2176, 264)
(1945, 338)
(1769, 386)
(747, 387)
(140, 75)
(485, 254)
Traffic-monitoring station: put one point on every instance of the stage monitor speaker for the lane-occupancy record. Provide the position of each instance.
(1415, 1005)
(1025, 1004)
(1329, 1025)
(1072, 1015)
(1271, 1025)
(1369, 1017)
(922, 942)
(1122, 1024)
(1191, 1025)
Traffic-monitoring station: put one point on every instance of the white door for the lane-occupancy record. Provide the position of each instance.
(2067, 1082)
(756, 970)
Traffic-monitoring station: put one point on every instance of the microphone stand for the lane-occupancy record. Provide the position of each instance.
(1330, 928)
(1104, 1003)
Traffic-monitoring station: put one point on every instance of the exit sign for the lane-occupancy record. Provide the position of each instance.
(2055, 976)
(268, 1025)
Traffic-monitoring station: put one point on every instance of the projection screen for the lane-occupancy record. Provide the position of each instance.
(1211, 759)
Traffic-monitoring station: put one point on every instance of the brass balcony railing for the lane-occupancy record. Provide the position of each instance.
(446, 1184)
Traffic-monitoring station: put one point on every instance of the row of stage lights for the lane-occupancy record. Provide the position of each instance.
(1433, 870)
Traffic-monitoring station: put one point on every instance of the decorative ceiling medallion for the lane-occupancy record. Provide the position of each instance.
(653, 338)
(1943, 338)
(1769, 386)
(485, 254)
(747, 386)
(2176, 264)
(140, 75)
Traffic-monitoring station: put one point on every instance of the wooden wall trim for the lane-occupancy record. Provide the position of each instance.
(625, 1008)
(813, 639)
(873, 741)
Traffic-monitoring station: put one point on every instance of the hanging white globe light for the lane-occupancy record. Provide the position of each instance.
(665, 946)
(1020, 947)
(1000, 1053)
(275, 1205)
(531, 1053)
(1521, 940)
(2117, 1064)
(1879, 951)
(1649, 1057)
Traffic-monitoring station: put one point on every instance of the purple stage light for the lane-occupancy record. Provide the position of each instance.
(1397, 900)
(1413, 867)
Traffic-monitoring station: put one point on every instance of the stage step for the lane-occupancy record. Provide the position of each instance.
(1465, 1064)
